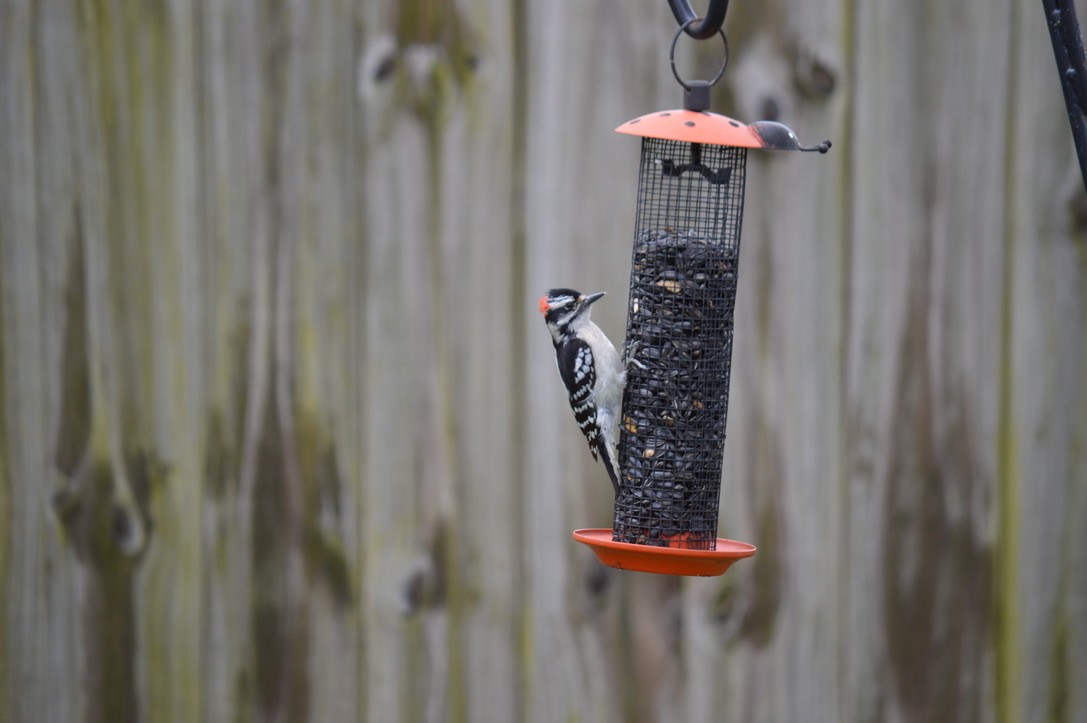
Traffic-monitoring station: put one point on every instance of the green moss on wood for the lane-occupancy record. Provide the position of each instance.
(280, 612)
(721, 605)
(6, 527)
(439, 26)
(97, 530)
(326, 561)
(1006, 569)
(1059, 675)
(1006, 561)
(75, 400)
(767, 576)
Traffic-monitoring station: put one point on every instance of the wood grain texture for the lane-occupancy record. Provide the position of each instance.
(281, 436)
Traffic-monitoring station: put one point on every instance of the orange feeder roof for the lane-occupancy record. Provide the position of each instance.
(713, 128)
(693, 127)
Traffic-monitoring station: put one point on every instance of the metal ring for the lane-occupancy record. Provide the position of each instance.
(672, 54)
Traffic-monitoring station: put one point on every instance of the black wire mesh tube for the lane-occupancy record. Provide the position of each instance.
(679, 334)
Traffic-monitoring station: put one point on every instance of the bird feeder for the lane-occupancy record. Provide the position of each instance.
(683, 276)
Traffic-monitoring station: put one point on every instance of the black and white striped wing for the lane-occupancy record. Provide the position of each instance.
(575, 360)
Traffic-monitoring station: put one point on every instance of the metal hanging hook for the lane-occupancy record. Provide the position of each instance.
(711, 23)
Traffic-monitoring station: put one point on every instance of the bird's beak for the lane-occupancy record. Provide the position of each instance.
(590, 298)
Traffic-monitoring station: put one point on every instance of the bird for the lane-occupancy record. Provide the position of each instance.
(591, 369)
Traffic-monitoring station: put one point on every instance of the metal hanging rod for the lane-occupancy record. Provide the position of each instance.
(1072, 65)
(711, 23)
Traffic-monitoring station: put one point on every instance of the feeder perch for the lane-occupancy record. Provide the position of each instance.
(680, 306)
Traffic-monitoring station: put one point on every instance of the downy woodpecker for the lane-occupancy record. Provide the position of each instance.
(591, 369)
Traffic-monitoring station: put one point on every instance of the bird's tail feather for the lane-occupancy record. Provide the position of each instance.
(607, 456)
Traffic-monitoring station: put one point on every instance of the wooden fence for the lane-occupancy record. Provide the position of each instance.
(281, 436)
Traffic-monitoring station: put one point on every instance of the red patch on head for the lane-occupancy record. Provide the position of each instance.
(544, 306)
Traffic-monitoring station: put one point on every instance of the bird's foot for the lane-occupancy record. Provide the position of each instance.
(629, 352)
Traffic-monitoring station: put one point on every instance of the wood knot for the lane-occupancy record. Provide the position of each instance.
(814, 77)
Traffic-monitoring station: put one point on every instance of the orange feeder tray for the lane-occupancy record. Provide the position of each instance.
(663, 560)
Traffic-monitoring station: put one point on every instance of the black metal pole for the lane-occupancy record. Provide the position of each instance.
(1072, 65)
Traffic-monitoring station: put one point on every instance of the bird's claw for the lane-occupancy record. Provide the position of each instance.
(629, 350)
